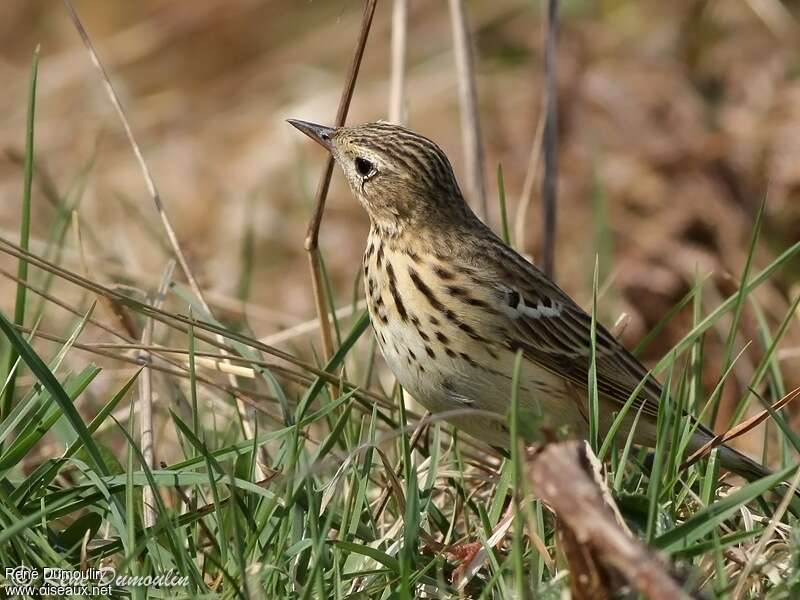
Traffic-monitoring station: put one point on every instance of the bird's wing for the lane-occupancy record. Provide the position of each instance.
(554, 332)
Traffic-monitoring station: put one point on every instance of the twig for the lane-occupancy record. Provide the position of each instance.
(146, 437)
(246, 416)
(312, 232)
(550, 179)
(565, 475)
(468, 101)
(399, 42)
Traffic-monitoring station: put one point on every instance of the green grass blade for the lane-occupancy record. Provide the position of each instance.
(501, 195)
(36, 428)
(24, 235)
(46, 377)
(766, 362)
(707, 519)
(688, 340)
(740, 298)
(44, 474)
(380, 557)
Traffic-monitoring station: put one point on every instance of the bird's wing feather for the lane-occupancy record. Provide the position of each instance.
(554, 332)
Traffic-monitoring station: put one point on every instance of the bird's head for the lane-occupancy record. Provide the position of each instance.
(402, 179)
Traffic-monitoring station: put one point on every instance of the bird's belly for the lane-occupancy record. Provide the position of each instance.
(475, 396)
(448, 354)
(407, 358)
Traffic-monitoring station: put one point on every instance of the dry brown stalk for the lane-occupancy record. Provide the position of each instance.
(739, 429)
(312, 232)
(550, 178)
(468, 101)
(247, 396)
(247, 416)
(599, 548)
(398, 77)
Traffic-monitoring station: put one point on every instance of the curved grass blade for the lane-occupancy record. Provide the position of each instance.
(46, 377)
(24, 236)
(41, 423)
(707, 519)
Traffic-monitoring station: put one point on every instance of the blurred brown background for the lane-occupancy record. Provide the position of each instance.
(676, 119)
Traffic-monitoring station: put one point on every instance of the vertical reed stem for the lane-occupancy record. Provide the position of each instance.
(550, 179)
(399, 43)
(312, 232)
(468, 100)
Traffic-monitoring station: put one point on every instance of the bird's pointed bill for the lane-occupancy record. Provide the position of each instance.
(319, 133)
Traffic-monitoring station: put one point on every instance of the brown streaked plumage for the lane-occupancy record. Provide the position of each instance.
(451, 304)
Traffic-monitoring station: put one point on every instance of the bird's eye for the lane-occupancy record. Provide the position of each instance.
(364, 167)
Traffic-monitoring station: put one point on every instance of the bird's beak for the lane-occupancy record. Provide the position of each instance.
(318, 133)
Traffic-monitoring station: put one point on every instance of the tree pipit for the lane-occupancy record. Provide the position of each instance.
(452, 305)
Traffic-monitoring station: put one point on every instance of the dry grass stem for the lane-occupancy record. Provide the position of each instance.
(468, 101)
(281, 337)
(740, 429)
(145, 406)
(247, 417)
(757, 553)
(529, 185)
(149, 181)
(550, 178)
(312, 232)
(398, 69)
(383, 499)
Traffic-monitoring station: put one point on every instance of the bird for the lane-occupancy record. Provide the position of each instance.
(452, 306)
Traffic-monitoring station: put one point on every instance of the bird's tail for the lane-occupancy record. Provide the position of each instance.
(735, 461)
